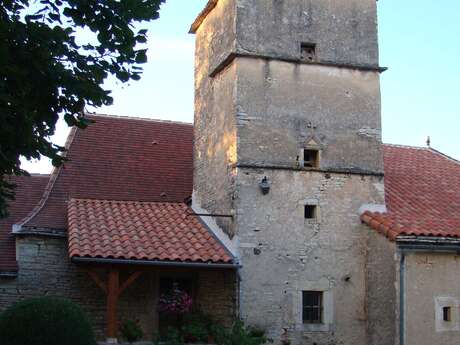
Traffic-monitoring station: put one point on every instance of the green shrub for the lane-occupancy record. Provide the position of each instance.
(45, 321)
(196, 327)
(174, 337)
(219, 334)
(131, 331)
(156, 338)
(239, 335)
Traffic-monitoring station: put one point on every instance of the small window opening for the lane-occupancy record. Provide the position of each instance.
(308, 51)
(312, 306)
(447, 314)
(310, 211)
(310, 158)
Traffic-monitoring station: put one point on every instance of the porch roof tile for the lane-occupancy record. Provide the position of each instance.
(134, 230)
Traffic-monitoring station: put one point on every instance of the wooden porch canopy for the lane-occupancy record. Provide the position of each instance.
(126, 234)
(113, 287)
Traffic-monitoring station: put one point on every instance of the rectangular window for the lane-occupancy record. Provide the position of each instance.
(312, 306)
(447, 314)
(310, 158)
(310, 211)
(308, 51)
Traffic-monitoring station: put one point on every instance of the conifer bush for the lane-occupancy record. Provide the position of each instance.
(45, 321)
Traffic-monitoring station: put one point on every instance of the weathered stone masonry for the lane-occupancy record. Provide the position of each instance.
(45, 270)
(283, 254)
(258, 105)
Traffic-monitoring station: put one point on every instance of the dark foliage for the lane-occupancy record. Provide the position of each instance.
(131, 331)
(47, 71)
(40, 321)
(196, 327)
(199, 328)
(239, 335)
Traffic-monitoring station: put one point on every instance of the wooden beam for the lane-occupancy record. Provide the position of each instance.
(112, 301)
(97, 280)
(132, 278)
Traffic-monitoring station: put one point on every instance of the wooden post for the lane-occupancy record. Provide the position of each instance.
(113, 289)
(112, 301)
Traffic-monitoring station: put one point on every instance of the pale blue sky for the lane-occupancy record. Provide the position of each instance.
(419, 42)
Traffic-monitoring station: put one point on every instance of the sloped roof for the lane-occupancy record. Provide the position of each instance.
(140, 231)
(29, 190)
(120, 158)
(422, 194)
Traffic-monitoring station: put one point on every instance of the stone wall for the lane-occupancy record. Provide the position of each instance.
(283, 253)
(281, 106)
(432, 281)
(215, 131)
(217, 295)
(45, 270)
(344, 31)
(382, 275)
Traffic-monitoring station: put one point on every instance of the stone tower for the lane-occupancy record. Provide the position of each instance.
(288, 142)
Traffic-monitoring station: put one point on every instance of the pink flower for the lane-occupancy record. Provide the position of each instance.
(176, 302)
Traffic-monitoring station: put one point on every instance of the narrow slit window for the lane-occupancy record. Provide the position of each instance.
(310, 158)
(308, 51)
(447, 314)
(310, 211)
(312, 306)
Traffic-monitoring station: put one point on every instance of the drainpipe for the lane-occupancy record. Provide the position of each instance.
(402, 268)
(238, 295)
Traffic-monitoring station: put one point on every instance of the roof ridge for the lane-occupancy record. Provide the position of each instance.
(133, 201)
(444, 155)
(138, 118)
(407, 146)
(49, 187)
(429, 149)
(39, 175)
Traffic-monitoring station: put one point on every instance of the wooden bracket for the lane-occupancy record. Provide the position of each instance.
(97, 280)
(132, 278)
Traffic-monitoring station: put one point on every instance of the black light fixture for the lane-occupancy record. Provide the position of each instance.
(264, 185)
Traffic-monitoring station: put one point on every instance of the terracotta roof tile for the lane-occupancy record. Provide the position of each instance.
(28, 192)
(140, 231)
(121, 158)
(422, 194)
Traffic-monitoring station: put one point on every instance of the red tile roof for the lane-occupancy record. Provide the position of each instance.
(28, 192)
(140, 231)
(120, 158)
(422, 194)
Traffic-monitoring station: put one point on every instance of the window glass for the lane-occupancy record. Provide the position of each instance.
(312, 306)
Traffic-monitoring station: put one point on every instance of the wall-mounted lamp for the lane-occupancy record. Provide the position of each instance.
(264, 185)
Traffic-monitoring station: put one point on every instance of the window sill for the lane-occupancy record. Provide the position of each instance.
(316, 327)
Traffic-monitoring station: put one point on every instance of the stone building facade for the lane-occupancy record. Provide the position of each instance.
(300, 222)
(278, 82)
(413, 262)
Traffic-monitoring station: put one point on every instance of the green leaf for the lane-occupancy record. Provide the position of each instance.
(135, 76)
(141, 39)
(141, 56)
